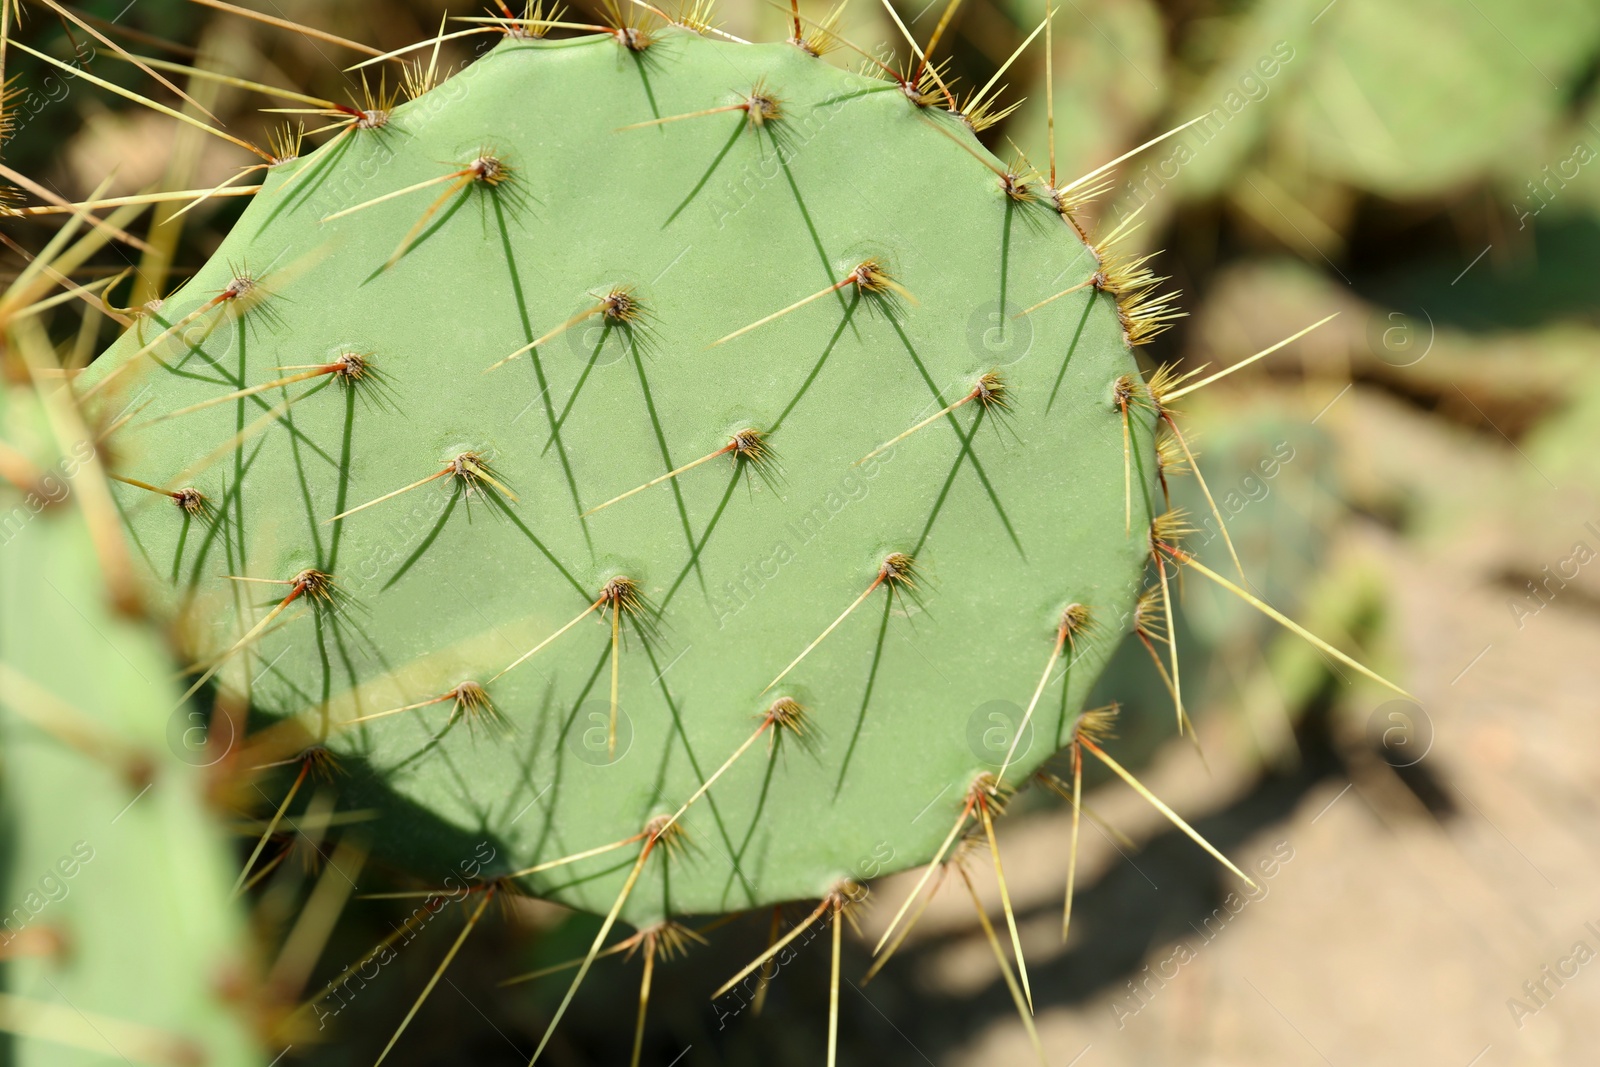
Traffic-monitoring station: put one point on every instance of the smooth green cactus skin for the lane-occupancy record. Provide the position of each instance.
(715, 225)
(131, 884)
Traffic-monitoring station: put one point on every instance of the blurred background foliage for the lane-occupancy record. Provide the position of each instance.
(1429, 169)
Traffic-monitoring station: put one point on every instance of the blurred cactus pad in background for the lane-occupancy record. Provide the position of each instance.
(741, 493)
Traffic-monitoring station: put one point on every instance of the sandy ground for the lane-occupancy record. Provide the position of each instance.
(1413, 907)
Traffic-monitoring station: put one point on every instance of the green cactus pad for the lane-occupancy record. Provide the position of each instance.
(120, 935)
(710, 224)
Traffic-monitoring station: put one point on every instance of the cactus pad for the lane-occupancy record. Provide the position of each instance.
(120, 938)
(541, 199)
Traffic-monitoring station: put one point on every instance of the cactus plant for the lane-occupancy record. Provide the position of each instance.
(120, 937)
(653, 444)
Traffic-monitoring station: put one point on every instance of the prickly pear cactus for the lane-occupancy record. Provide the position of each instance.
(120, 938)
(796, 269)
